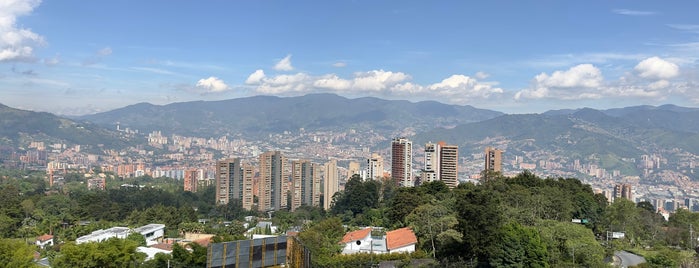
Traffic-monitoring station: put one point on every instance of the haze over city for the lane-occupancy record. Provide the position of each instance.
(509, 56)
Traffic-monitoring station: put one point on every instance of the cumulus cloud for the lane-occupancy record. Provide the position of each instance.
(454, 89)
(211, 85)
(255, 78)
(340, 64)
(657, 68)
(284, 64)
(378, 80)
(16, 43)
(578, 82)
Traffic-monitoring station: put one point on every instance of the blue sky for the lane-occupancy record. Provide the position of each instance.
(76, 57)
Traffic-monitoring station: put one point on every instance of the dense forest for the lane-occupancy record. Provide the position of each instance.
(522, 221)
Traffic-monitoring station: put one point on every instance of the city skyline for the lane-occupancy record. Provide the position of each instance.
(526, 57)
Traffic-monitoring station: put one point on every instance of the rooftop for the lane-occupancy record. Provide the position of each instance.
(356, 235)
(400, 238)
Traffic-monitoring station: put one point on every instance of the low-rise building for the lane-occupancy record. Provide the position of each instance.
(44, 240)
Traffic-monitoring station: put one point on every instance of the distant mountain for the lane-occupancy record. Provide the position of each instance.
(610, 135)
(267, 114)
(18, 127)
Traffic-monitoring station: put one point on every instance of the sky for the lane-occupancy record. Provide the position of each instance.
(74, 57)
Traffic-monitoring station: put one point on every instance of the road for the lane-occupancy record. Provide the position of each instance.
(629, 259)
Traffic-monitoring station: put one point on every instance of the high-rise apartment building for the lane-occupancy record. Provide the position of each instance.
(431, 170)
(402, 161)
(441, 163)
(234, 181)
(623, 191)
(353, 169)
(305, 188)
(493, 159)
(273, 181)
(331, 183)
(374, 168)
(191, 180)
(449, 164)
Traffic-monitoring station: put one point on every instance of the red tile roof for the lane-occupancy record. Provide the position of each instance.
(44, 238)
(163, 246)
(400, 238)
(356, 235)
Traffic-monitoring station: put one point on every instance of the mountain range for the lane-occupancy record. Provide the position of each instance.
(612, 134)
(266, 114)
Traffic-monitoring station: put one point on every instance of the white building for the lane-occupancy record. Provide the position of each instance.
(151, 232)
(400, 240)
(101, 235)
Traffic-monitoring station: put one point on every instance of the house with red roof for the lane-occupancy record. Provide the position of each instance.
(44, 240)
(400, 240)
(353, 241)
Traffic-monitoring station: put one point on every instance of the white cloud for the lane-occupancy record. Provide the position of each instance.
(630, 12)
(454, 89)
(211, 85)
(659, 84)
(481, 75)
(657, 68)
(579, 82)
(284, 64)
(583, 75)
(105, 51)
(255, 78)
(377, 80)
(340, 64)
(17, 44)
(286, 84)
(333, 82)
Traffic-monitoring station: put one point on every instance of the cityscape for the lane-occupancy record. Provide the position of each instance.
(330, 134)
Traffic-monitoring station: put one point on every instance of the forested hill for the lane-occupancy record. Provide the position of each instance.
(19, 125)
(616, 134)
(267, 114)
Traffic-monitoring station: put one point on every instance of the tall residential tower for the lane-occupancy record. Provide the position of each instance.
(402, 161)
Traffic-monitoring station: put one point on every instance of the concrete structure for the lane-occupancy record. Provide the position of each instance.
(374, 168)
(151, 232)
(273, 181)
(191, 180)
(96, 184)
(305, 188)
(104, 234)
(331, 183)
(353, 169)
(493, 159)
(441, 163)
(234, 181)
(623, 191)
(402, 162)
(449, 164)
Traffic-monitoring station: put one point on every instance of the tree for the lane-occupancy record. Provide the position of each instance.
(435, 227)
(520, 246)
(480, 220)
(138, 238)
(570, 243)
(322, 240)
(16, 253)
(113, 252)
